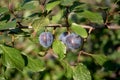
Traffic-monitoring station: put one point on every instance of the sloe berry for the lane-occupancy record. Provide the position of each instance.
(46, 39)
(63, 37)
(73, 41)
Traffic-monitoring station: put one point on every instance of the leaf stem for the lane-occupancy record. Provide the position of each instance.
(66, 18)
(84, 53)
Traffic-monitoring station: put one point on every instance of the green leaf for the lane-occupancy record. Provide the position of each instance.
(56, 18)
(2, 23)
(81, 72)
(99, 58)
(29, 5)
(73, 18)
(4, 38)
(68, 69)
(79, 30)
(51, 5)
(40, 23)
(67, 2)
(12, 58)
(78, 6)
(2, 77)
(3, 10)
(34, 65)
(8, 25)
(114, 56)
(59, 48)
(92, 16)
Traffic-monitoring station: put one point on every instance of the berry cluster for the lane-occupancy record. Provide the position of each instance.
(72, 41)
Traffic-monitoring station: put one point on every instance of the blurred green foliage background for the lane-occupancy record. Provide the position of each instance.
(101, 42)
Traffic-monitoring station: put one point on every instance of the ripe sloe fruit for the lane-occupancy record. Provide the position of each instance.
(73, 41)
(46, 39)
(63, 37)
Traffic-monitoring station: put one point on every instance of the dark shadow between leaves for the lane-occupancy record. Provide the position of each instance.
(25, 60)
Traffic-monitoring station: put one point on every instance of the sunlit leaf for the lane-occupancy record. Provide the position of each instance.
(51, 5)
(81, 72)
(12, 57)
(29, 5)
(59, 48)
(79, 30)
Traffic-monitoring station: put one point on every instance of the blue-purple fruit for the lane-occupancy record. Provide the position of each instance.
(46, 39)
(73, 41)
